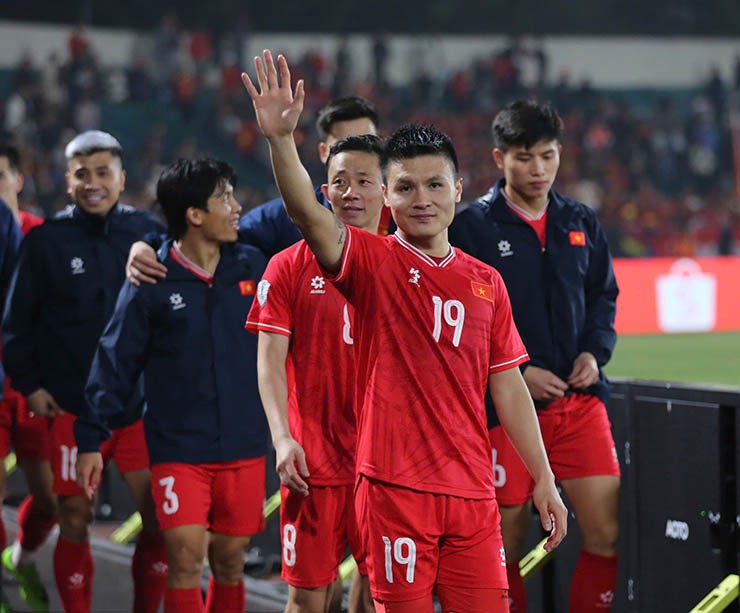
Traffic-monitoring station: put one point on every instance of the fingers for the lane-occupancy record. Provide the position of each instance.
(302, 466)
(290, 478)
(261, 76)
(555, 522)
(272, 78)
(251, 89)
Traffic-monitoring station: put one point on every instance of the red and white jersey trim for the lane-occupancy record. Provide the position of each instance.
(419, 253)
(509, 363)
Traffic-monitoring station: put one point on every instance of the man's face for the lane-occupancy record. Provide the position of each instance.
(95, 181)
(220, 223)
(422, 193)
(343, 129)
(355, 189)
(529, 173)
(11, 182)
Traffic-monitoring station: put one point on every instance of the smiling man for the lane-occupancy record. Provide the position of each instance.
(62, 294)
(306, 371)
(205, 427)
(433, 330)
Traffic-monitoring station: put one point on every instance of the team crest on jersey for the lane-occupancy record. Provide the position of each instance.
(263, 288)
(77, 266)
(415, 276)
(317, 285)
(504, 248)
(176, 301)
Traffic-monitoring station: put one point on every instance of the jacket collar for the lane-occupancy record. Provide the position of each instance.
(494, 204)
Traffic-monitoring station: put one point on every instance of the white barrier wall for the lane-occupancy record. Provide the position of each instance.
(609, 62)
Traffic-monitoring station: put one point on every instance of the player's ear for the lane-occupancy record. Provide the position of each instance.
(498, 157)
(325, 191)
(324, 151)
(194, 216)
(458, 189)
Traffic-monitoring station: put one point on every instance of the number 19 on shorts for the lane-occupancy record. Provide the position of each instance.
(402, 551)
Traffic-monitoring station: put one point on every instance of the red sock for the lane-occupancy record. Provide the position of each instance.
(73, 571)
(33, 525)
(517, 593)
(225, 598)
(593, 583)
(178, 600)
(149, 572)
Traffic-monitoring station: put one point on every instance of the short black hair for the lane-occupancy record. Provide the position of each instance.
(190, 183)
(525, 123)
(367, 143)
(344, 109)
(14, 157)
(413, 140)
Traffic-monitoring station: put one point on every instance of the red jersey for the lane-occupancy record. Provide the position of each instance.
(29, 221)
(428, 333)
(295, 299)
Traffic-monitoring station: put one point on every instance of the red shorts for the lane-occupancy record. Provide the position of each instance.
(225, 497)
(127, 447)
(578, 440)
(419, 542)
(315, 532)
(28, 435)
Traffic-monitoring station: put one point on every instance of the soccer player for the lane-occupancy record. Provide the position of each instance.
(306, 373)
(205, 428)
(63, 292)
(555, 261)
(433, 330)
(29, 437)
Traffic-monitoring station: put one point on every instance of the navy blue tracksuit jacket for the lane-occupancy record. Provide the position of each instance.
(199, 363)
(563, 297)
(62, 294)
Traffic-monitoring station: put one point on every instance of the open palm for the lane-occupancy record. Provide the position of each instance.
(276, 106)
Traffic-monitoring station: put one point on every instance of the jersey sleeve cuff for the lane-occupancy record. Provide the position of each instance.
(506, 365)
(258, 326)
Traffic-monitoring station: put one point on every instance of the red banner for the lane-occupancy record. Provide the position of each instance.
(666, 295)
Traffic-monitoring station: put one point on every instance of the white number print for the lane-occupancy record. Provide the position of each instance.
(172, 504)
(69, 461)
(454, 315)
(347, 329)
(499, 472)
(396, 552)
(289, 537)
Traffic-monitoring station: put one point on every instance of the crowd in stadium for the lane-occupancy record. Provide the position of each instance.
(658, 168)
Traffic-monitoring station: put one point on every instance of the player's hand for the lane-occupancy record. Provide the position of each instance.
(275, 105)
(142, 265)
(585, 371)
(544, 385)
(89, 471)
(553, 513)
(42, 403)
(291, 465)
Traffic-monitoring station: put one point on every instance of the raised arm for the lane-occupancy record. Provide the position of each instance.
(277, 109)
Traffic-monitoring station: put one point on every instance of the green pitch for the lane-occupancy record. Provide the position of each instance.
(689, 358)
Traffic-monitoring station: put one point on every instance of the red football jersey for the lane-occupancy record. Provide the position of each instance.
(295, 299)
(428, 332)
(28, 221)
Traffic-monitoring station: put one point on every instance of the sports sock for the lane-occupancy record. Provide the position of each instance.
(33, 527)
(593, 585)
(225, 598)
(183, 600)
(149, 572)
(517, 592)
(73, 571)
